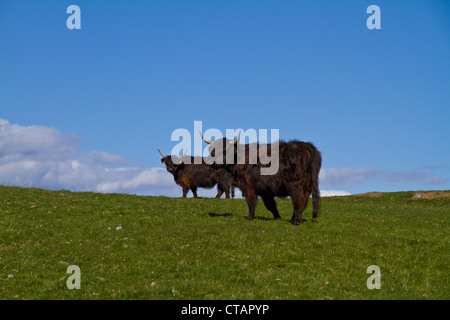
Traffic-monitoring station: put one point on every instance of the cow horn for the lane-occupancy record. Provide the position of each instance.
(206, 140)
(238, 138)
(162, 154)
(183, 155)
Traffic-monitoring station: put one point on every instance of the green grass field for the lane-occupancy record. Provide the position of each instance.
(205, 249)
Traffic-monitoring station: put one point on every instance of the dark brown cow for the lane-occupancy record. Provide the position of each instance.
(191, 176)
(297, 175)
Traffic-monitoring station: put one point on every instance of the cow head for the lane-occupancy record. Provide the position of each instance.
(172, 163)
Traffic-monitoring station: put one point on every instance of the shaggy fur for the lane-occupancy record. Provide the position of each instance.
(297, 175)
(191, 176)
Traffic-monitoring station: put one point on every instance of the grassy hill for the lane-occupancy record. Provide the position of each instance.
(134, 247)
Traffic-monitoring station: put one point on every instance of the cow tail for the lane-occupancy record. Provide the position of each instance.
(316, 164)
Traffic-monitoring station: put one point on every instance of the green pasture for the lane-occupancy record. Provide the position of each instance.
(136, 247)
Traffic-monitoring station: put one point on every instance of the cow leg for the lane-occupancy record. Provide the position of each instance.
(194, 191)
(252, 199)
(224, 185)
(185, 191)
(271, 205)
(219, 191)
(299, 201)
(227, 191)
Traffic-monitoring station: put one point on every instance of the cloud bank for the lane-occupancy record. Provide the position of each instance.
(344, 177)
(44, 157)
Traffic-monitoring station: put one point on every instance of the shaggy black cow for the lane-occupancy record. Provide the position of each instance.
(297, 173)
(191, 176)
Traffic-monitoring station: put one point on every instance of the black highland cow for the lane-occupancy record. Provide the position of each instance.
(297, 173)
(191, 176)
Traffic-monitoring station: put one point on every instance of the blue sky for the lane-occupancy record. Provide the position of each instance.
(376, 103)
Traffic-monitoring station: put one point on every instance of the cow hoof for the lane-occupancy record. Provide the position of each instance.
(296, 222)
(249, 218)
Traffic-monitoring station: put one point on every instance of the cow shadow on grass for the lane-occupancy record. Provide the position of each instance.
(215, 215)
(272, 219)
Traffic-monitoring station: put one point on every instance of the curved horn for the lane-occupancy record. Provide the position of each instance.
(206, 140)
(238, 138)
(162, 154)
(180, 157)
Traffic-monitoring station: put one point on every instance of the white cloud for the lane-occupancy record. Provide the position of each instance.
(333, 193)
(103, 158)
(43, 157)
(35, 142)
(331, 178)
(149, 181)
